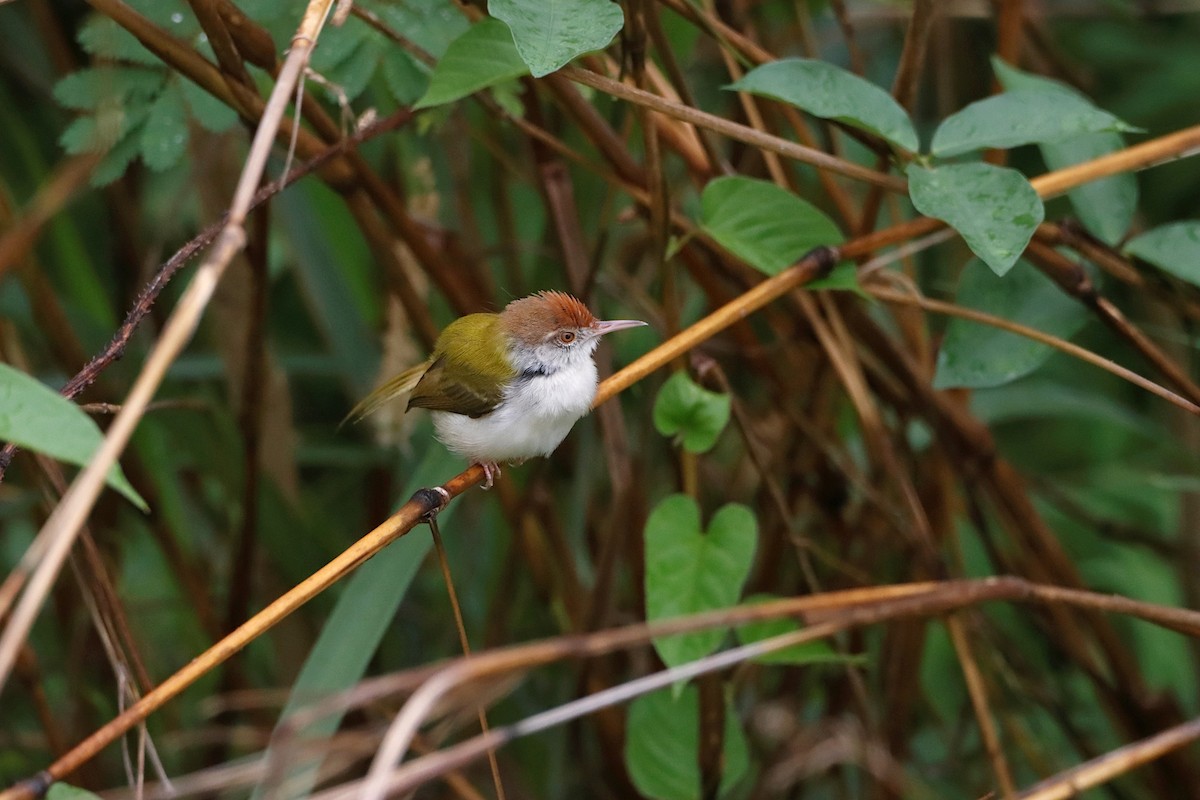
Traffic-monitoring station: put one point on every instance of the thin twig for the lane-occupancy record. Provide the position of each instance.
(1083, 354)
(733, 130)
(444, 564)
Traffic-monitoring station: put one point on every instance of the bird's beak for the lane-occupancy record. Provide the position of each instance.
(610, 325)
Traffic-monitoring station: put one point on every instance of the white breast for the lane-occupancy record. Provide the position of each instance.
(532, 420)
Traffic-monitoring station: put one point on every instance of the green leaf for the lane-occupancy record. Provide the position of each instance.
(1042, 398)
(1173, 248)
(65, 791)
(209, 112)
(691, 413)
(35, 417)
(483, 56)
(339, 44)
(351, 67)
(81, 136)
(994, 208)
(688, 571)
(1026, 116)
(351, 635)
(816, 652)
(549, 33)
(89, 89)
(116, 160)
(765, 225)
(405, 78)
(662, 742)
(165, 134)
(102, 37)
(975, 356)
(828, 91)
(1106, 206)
(429, 24)
(844, 276)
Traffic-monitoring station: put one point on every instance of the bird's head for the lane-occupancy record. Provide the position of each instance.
(550, 331)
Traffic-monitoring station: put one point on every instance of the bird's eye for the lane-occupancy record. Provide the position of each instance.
(566, 337)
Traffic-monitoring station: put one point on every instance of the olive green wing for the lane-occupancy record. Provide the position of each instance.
(470, 368)
(441, 390)
(398, 386)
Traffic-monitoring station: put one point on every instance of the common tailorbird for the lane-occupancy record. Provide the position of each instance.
(507, 386)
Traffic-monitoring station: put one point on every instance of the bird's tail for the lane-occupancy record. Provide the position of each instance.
(387, 391)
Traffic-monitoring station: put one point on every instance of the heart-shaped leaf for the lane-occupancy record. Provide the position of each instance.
(994, 208)
(549, 33)
(976, 356)
(825, 90)
(661, 743)
(691, 413)
(34, 416)
(483, 56)
(763, 224)
(65, 791)
(688, 571)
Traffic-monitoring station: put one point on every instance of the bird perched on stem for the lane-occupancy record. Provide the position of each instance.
(507, 386)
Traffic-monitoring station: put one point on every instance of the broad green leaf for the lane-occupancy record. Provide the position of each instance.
(353, 75)
(351, 635)
(662, 743)
(1039, 398)
(429, 24)
(828, 91)
(765, 225)
(1133, 572)
(1173, 248)
(974, 355)
(352, 58)
(165, 133)
(339, 44)
(483, 56)
(692, 414)
(36, 417)
(549, 33)
(994, 208)
(689, 571)
(1105, 206)
(817, 652)
(65, 791)
(405, 78)
(1026, 116)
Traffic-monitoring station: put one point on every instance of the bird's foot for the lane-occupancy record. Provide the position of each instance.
(434, 498)
(491, 470)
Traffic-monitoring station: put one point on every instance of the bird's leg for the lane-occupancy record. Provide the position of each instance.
(491, 470)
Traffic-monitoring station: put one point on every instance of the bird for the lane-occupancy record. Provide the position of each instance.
(509, 386)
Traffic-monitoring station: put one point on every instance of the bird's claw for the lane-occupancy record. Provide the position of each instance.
(491, 470)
